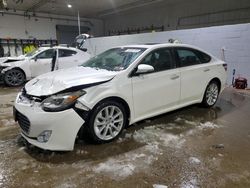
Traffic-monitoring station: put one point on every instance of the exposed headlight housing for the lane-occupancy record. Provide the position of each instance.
(61, 102)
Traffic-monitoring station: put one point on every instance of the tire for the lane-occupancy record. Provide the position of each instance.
(14, 77)
(106, 122)
(211, 94)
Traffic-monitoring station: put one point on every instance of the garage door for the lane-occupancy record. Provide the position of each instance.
(66, 34)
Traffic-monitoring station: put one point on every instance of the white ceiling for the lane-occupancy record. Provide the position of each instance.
(87, 8)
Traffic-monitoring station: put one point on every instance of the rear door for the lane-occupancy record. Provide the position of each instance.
(154, 93)
(195, 70)
(67, 58)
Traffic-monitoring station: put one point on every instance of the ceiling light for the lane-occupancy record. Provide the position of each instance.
(69, 6)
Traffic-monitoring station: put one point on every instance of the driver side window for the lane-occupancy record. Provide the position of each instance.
(47, 54)
(160, 59)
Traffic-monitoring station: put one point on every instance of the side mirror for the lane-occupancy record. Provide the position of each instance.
(84, 49)
(143, 68)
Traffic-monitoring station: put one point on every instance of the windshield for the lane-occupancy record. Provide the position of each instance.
(115, 59)
(33, 52)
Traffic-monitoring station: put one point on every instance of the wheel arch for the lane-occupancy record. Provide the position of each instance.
(83, 132)
(16, 68)
(117, 99)
(216, 79)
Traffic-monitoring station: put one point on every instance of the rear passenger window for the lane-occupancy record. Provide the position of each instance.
(188, 57)
(66, 53)
(204, 58)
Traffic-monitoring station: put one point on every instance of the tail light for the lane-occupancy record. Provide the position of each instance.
(225, 66)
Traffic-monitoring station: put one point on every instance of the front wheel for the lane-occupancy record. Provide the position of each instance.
(106, 122)
(14, 77)
(211, 94)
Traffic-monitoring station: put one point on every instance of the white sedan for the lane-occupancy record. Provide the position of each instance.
(15, 71)
(114, 89)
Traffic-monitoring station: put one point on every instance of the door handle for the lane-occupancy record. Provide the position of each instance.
(206, 70)
(174, 77)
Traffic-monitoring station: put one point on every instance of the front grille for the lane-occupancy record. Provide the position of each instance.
(23, 122)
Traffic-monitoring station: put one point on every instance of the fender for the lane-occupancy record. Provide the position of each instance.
(26, 73)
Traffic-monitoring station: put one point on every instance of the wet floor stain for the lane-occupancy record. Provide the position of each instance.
(191, 147)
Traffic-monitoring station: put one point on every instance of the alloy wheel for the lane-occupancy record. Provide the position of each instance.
(212, 94)
(108, 123)
(14, 77)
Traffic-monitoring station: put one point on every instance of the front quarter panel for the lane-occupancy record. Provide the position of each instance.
(23, 65)
(118, 87)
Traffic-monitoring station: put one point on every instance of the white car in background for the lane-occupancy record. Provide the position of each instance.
(116, 88)
(15, 71)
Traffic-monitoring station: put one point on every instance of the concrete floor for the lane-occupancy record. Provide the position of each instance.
(191, 147)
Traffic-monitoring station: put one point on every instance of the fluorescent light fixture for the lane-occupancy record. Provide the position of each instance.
(69, 6)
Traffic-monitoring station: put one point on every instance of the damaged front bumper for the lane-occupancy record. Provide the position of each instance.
(59, 129)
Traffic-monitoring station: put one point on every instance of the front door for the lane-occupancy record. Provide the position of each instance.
(67, 59)
(156, 92)
(41, 63)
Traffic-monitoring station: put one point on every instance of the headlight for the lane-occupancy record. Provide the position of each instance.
(61, 102)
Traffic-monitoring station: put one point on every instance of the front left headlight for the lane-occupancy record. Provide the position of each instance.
(61, 102)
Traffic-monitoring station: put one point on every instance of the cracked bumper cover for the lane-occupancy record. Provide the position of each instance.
(64, 126)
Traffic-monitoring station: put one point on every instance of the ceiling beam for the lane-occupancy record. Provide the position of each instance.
(37, 5)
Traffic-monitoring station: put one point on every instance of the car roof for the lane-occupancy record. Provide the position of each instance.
(158, 45)
(43, 48)
(58, 47)
(152, 46)
(65, 48)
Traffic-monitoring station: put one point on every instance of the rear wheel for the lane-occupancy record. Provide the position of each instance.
(211, 94)
(106, 122)
(14, 77)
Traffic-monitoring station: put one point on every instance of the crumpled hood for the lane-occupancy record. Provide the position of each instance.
(54, 82)
(15, 63)
(11, 59)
